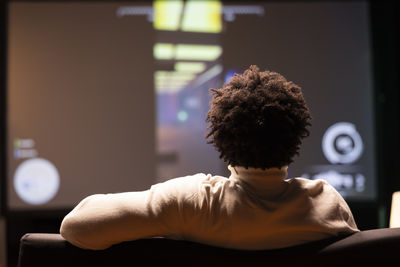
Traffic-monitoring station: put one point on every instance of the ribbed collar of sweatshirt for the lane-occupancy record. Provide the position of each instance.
(269, 182)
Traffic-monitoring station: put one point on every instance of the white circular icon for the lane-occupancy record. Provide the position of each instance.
(36, 181)
(342, 143)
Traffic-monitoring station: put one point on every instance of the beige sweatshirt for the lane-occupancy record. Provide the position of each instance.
(252, 209)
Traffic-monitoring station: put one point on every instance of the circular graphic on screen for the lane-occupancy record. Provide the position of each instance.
(36, 181)
(342, 143)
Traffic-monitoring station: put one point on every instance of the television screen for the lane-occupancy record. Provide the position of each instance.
(107, 97)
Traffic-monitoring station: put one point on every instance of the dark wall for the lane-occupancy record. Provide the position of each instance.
(386, 70)
(3, 63)
(385, 23)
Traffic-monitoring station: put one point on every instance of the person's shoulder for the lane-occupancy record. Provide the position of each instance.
(189, 179)
(313, 187)
(195, 179)
(307, 183)
(182, 185)
(191, 184)
(327, 200)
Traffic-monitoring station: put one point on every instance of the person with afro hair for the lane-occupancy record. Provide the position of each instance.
(256, 122)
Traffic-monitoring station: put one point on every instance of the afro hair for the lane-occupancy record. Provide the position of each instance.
(258, 119)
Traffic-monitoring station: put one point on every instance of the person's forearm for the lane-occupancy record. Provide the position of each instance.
(100, 221)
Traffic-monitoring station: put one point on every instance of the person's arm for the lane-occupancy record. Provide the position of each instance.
(100, 221)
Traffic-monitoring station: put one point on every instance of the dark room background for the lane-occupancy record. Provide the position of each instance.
(134, 82)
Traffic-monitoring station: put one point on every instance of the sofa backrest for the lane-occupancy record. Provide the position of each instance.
(379, 247)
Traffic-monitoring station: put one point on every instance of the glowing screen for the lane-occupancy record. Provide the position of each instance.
(109, 97)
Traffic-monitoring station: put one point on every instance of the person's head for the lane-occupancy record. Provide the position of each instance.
(258, 119)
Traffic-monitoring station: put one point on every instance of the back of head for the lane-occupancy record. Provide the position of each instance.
(258, 119)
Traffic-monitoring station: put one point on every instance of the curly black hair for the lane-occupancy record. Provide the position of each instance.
(258, 119)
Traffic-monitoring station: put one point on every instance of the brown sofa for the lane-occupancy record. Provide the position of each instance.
(379, 247)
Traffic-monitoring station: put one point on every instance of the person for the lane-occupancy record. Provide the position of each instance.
(256, 122)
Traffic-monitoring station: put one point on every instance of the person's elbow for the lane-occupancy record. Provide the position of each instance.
(79, 229)
(72, 231)
(80, 234)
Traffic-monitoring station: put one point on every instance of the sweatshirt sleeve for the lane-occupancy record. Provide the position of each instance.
(100, 221)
